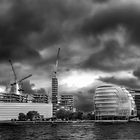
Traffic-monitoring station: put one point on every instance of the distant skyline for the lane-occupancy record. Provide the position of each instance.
(99, 41)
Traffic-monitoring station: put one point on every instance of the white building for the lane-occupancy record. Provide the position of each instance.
(10, 111)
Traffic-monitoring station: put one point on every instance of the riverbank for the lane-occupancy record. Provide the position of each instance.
(44, 122)
(65, 122)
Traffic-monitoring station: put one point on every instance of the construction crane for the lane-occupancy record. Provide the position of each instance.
(57, 62)
(17, 82)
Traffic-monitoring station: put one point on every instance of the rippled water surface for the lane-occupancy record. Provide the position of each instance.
(82, 131)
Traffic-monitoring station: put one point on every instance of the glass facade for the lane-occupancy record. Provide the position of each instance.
(112, 101)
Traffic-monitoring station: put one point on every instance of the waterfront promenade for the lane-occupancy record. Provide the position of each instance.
(68, 122)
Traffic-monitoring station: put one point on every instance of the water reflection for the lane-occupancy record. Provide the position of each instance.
(82, 131)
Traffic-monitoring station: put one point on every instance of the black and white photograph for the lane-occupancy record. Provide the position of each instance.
(69, 69)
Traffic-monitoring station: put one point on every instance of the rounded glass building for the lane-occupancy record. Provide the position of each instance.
(113, 102)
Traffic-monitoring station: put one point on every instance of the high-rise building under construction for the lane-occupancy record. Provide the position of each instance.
(54, 93)
(55, 86)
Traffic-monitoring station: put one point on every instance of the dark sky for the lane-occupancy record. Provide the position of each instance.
(99, 41)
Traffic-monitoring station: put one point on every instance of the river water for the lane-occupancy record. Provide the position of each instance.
(81, 131)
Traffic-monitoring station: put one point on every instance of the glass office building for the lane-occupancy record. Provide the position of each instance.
(113, 102)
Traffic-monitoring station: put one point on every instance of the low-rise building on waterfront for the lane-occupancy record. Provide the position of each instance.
(40, 98)
(136, 95)
(66, 102)
(12, 104)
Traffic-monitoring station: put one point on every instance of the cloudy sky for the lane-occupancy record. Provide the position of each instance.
(99, 41)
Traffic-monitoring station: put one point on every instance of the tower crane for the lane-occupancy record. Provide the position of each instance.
(57, 62)
(17, 82)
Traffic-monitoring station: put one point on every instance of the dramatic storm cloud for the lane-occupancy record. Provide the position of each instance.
(99, 39)
(113, 50)
(131, 83)
(31, 32)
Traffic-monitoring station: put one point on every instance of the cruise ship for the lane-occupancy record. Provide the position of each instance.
(112, 102)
